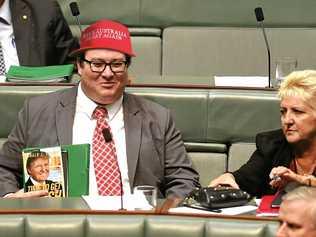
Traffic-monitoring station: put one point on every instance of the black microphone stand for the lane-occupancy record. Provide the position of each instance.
(268, 50)
(260, 18)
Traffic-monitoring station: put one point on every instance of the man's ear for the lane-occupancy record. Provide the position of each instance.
(130, 80)
(79, 66)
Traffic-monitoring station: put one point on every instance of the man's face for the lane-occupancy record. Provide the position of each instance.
(295, 219)
(102, 87)
(298, 120)
(39, 169)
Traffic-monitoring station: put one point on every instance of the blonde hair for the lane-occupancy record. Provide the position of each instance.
(306, 194)
(301, 84)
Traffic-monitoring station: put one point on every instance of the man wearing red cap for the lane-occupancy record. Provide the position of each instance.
(133, 141)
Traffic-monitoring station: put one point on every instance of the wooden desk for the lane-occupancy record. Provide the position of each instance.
(52, 206)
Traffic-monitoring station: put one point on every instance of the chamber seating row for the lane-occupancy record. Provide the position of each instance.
(207, 38)
(131, 226)
(218, 125)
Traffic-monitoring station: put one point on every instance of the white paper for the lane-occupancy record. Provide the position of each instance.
(267, 214)
(241, 81)
(257, 201)
(130, 202)
(225, 211)
(2, 78)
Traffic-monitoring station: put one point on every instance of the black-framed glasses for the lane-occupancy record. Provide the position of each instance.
(99, 66)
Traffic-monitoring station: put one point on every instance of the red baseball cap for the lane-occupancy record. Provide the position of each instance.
(105, 34)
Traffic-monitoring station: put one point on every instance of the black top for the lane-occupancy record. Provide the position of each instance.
(272, 150)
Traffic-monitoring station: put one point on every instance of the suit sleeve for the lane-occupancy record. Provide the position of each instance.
(253, 176)
(10, 156)
(180, 177)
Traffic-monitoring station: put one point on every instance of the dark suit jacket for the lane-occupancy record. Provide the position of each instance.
(42, 35)
(272, 150)
(155, 151)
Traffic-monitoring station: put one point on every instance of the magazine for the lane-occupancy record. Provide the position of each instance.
(43, 170)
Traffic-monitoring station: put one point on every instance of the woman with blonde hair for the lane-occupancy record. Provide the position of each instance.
(286, 156)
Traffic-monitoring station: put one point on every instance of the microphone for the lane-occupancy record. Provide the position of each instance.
(75, 12)
(260, 18)
(108, 138)
(107, 135)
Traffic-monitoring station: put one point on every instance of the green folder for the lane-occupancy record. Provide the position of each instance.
(58, 73)
(77, 169)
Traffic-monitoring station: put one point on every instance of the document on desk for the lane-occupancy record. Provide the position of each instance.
(241, 81)
(224, 211)
(130, 202)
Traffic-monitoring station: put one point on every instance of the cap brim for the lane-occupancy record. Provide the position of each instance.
(76, 52)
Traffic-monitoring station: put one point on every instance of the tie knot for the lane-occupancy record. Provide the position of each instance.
(99, 113)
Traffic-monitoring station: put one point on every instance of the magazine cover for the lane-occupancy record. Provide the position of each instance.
(43, 170)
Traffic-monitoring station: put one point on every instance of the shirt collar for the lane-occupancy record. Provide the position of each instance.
(5, 11)
(87, 106)
(34, 182)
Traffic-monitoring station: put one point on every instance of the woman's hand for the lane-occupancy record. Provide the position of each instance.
(281, 175)
(226, 179)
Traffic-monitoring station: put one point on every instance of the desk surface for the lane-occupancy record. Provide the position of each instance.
(62, 205)
(25, 205)
(79, 206)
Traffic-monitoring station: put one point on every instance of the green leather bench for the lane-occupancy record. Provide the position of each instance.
(207, 38)
(218, 125)
(18, 225)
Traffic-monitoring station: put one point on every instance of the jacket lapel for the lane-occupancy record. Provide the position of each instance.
(24, 32)
(133, 129)
(65, 113)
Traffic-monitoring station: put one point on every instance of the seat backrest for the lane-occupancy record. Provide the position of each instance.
(238, 115)
(238, 51)
(207, 38)
(239, 153)
(37, 225)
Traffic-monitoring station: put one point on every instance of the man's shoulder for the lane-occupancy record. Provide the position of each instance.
(144, 103)
(53, 97)
(275, 135)
(39, 4)
(44, 10)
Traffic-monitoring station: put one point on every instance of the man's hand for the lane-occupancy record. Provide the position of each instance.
(224, 179)
(21, 194)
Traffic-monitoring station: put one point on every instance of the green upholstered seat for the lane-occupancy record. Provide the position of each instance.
(67, 225)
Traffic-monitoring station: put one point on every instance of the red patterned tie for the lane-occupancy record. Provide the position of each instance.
(104, 157)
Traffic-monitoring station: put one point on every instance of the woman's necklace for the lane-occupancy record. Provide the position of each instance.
(304, 169)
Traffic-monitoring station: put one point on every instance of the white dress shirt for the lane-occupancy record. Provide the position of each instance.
(7, 38)
(83, 129)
